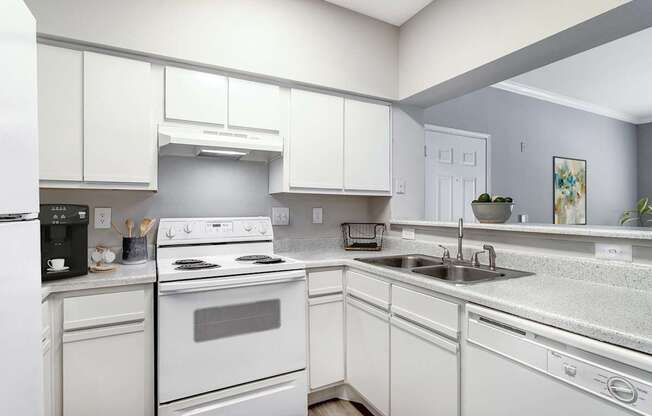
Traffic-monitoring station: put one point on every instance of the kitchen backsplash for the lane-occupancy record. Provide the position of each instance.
(197, 187)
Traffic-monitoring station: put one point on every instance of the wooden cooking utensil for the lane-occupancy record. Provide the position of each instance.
(116, 229)
(149, 227)
(129, 223)
(144, 226)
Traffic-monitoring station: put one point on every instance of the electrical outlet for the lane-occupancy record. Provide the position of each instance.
(280, 216)
(613, 252)
(408, 234)
(102, 218)
(317, 215)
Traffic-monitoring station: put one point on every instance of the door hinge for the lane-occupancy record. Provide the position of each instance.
(425, 151)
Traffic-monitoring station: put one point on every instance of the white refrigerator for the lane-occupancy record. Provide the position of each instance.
(20, 280)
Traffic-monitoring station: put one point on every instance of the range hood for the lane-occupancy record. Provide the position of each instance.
(193, 141)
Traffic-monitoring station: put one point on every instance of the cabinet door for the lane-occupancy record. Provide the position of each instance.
(316, 140)
(195, 96)
(425, 372)
(47, 378)
(367, 162)
(254, 105)
(104, 371)
(367, 359)
(326, 340)
(119, 142)
(60, 114)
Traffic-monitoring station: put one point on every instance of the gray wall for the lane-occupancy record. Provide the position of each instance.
(203, 187)
(608, 145)
(644, 160)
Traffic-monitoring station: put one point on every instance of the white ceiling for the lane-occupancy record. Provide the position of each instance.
(395, 12)
(614, 79)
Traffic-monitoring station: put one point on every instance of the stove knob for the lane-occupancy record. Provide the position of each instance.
(247, 227)
(187, 228)
(170, 233)
(262, 229)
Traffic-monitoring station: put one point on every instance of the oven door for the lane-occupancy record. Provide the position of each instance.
(221, 332)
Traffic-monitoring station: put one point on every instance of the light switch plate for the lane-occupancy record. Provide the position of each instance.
(613, 252)
(102, 218)
(317, 215)
(408, 234)
(400, 186)
(280, 216)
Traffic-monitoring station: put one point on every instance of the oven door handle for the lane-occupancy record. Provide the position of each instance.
(220, 283)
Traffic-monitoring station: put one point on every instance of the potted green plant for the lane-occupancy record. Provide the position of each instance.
(638, 215)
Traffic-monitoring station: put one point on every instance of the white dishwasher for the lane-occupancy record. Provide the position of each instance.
(513, 366)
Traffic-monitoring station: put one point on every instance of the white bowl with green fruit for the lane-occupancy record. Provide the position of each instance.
(496, 210)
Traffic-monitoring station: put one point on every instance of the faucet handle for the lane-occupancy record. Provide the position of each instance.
(474, 258)
(447, 253)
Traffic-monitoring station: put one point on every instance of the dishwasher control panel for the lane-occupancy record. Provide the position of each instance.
(630, 393)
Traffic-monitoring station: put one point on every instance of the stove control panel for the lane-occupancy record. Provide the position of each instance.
(213, 230)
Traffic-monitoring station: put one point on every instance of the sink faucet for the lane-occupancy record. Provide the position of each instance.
(460, 236)
(492, 256)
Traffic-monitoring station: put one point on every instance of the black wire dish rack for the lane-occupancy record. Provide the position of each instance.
(363, 236)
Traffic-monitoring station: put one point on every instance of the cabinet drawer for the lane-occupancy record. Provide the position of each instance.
(434, 313)
(368, 288)
(104, 309)
(324, 282)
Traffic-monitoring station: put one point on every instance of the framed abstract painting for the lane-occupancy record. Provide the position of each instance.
(569, 191)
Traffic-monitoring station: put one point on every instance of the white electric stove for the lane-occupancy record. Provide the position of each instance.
(231, 320)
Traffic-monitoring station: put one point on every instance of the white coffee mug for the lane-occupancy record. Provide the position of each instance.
(57, 264)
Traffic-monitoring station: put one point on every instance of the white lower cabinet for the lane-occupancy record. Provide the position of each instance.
(367, 357)
(104, 371)
(326, 340)
(47, 378)
(46, 348)
(107, 354)
(425, 372)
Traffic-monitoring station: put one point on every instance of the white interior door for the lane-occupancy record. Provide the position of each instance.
(456, 173)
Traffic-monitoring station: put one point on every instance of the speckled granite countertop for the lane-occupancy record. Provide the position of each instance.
(123, 276)
(616, 315)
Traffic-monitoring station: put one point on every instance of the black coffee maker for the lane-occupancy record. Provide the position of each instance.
(64, 235)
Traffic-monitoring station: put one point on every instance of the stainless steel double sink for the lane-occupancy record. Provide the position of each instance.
(450, 271)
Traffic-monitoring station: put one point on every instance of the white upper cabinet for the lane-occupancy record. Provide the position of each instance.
(316, 148)
(60, 114)
(254, 105)
(367, 144)
(195, 96)
(118, 136)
